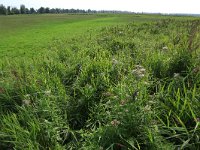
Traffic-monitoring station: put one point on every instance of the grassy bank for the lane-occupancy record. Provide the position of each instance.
(29, 35)
(109, 86)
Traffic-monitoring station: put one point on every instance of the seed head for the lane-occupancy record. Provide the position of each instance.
(139, 71)
(165, 48)
(26, 102)
(147, 108)
(115, 122)
(142, 70)
(196, 70)
(115, 62)
(138, 67)
(140, 76)
(123, 102)
(107, 94)
(47, 92)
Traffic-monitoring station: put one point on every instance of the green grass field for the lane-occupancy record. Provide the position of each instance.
(27, 35)
(99, 82)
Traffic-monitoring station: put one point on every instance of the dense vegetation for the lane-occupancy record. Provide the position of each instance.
(133, 86)
(46, 10)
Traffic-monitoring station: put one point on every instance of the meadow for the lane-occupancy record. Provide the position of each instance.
(99, 82)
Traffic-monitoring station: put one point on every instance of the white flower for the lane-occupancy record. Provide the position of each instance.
(115, 62)
(26, 102)
(115, 122)
(165, 48)
(47, 92)
(134, 71)
(147, 108)
(140, 75)
(120, 32)
(142, 70)
(139, 72)
(138, 66)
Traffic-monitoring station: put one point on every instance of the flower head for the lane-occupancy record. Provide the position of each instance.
(139, 71)
(115, 62)
(196, 70)
(165, 48)
(26, 102)
(115, 122)
(47, 92)
(123, 102)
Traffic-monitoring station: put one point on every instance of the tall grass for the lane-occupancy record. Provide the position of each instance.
(134, 86)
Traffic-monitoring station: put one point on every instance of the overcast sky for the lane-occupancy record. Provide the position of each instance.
(163, 6)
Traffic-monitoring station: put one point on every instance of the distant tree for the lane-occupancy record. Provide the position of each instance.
(3, 10)
(8, 10)
(27, 11)
(22, 9)
(89, 11)
(72, 10)
(58, 10)
(32, 11)
(41, 10)
(83, 11)
(66, 11)
(47, 10)
(14, 10)
(53, 11)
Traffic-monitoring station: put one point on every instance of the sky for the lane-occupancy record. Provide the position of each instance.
(152, 6)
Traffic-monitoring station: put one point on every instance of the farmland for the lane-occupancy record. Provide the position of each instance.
(99, 81)
(29, 34)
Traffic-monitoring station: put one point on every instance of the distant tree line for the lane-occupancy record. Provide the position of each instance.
(45, 10)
